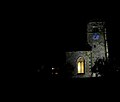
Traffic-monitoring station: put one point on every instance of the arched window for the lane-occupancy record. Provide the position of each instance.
(80, 65)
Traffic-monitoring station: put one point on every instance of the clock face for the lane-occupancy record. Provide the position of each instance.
(96, 36)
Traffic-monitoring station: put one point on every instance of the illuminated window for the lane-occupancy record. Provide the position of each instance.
(80, 65)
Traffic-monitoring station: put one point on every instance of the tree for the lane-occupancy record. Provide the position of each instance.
(105, 69)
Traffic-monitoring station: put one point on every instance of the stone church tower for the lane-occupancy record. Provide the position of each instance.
(96, 38)
(82, 61)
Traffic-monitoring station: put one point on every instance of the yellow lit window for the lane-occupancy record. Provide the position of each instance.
(80, 66)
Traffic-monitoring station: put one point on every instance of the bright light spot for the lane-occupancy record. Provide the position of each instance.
(94, 75)
(53, 68)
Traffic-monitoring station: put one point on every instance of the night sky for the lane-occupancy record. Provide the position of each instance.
(44, 33)
(52, 31)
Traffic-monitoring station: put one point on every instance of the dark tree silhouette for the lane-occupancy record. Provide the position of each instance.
(104, 68)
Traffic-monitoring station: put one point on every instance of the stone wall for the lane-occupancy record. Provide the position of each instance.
(71, 57)
(98, 46)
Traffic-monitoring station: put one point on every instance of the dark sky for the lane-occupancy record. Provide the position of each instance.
(51, 32)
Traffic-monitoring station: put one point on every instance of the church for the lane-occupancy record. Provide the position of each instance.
(83, 61)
